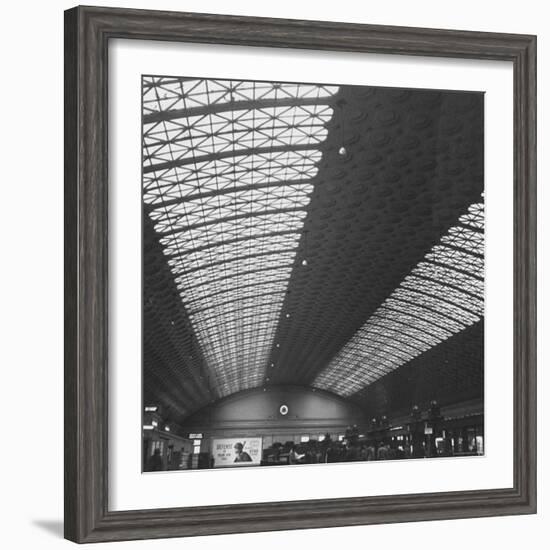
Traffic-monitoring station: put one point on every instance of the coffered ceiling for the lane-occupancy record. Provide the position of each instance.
(314, 235)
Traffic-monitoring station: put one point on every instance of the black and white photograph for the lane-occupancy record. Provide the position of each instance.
(313, 273)
(274, 275)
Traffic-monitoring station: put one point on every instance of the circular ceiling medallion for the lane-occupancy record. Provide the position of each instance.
(283, 409)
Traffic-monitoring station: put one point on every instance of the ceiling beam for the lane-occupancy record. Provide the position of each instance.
(222, 191)
(157, 140)
(434, 297)
(437, 324)
(189, 303)
(178, 274)
(217, 244)
(432, 308)
(460, 249)
(243, 273)
(239, 299)
(230, 219)
(244, 105)
(193, 160)
(441, 263)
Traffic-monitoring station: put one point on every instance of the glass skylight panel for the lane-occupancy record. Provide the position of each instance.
(231, 285)
(249, 256)
(456, 259)
(280, 196)
(441, 296)
(452, 311)
(257, 225)
(165, 94)
(475, 216)
(227, 181)
(232, 267)
(219, 280)
(391, 345)
(217, 175)
(426, 315)
(391, 321)
(461, 280)
(239, 306)
(235, 130)
(231, 168)
(446, 292)
(238, 296)
(465, 238)
(191, 213)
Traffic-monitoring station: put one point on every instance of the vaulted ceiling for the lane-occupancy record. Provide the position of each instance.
(323, 236)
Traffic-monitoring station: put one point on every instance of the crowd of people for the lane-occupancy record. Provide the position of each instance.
(350, 449)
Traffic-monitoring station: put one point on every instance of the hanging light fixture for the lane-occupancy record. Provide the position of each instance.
(342, 151)
(304, 260)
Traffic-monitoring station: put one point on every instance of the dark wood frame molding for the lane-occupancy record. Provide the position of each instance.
(87, 34)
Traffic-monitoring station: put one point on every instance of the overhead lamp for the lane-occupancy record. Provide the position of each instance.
(304, 261)
(342, 151)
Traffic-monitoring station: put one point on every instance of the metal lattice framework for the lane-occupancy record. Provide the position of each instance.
(440, 297)
(245, 181)
(227, 181)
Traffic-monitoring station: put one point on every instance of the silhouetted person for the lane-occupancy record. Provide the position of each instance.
(371, 452)
(351, 453)
(155, 464)
(294, 457)
(383, 452)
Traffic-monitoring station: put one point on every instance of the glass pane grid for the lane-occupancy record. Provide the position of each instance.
(251, 168)
(227, 181)
(441, 296)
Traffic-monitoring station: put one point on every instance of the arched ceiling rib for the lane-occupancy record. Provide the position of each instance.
(242, 181)
(413, 167)
(227, 171)
(442, 296)
(451, 372)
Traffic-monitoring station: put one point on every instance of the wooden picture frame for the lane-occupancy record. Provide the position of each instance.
(87, 34)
